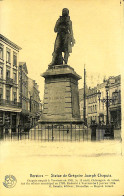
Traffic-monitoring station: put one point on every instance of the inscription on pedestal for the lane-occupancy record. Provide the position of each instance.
(61, 94)
(56, 98)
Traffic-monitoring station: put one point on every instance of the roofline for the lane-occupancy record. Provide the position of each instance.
(22, 63)
(10, 42)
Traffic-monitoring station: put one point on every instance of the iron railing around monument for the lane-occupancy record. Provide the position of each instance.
(69, 132)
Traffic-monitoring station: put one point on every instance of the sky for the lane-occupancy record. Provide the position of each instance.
(97, 27)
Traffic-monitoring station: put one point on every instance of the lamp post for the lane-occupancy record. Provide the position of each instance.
(84, 97)
(109, 128)
(107, 104)
(99, 95)
(107, 100)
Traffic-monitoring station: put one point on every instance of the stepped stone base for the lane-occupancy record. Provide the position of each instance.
(61, 96)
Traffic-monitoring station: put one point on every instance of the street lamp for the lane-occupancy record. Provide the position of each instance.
(107, 100)
(99, 95)
(107, 103)
(109, 129)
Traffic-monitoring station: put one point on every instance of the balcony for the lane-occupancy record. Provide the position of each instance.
(9, 81)
(9, 103)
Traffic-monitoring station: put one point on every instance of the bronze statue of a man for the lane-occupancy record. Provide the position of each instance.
(64, 40)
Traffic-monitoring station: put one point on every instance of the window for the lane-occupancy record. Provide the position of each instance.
(119, 96)
(8, 55)
(1, 72)
(1, 52)
(8, 73)
(7, 117)
(103, 106)
(8, 94)
(1, 117)
(1, 93)
(88, 109)
(14, 97)
(14, 59)
(20, 99)
(15, 77)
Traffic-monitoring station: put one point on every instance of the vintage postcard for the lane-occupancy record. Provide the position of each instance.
(61, 97)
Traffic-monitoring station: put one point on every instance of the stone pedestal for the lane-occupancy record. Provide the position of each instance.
(61, 96)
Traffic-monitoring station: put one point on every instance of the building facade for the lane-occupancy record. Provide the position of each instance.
(92, 105)
(115, 105)
(35, 103)
(10, 106)
(81, 103)
(23, 95)
(96, 106)
(101, 105)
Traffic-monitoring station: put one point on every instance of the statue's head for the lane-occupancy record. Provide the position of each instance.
(65, 12)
